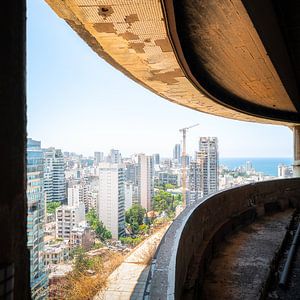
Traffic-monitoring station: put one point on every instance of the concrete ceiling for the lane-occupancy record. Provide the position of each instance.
(220, 57)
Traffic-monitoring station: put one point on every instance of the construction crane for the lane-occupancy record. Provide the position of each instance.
(183, 163)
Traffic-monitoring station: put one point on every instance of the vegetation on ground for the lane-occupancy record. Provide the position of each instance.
(88, 277)
(101, 231)
(131, 241)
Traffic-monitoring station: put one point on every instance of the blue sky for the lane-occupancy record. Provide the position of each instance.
(78, 102)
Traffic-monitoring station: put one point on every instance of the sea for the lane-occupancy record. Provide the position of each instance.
(266, 165)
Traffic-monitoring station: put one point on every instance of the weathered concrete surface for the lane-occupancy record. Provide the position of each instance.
(242, 266)
(187, 247)
(129, 279)
(135, 39)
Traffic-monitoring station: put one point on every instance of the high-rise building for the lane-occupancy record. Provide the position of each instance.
(98, 157)
(128, 195)
(203, 171)
(111, 198)
(115, 156)
(54, 175)
(177, 153)
(195, 182)
(145, 181)
(131, 172)
(208, 157)
(75, 195)
(156, 159)
(36, 219)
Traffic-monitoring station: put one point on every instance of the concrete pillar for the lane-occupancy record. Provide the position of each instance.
(14, 258)
(296, 166)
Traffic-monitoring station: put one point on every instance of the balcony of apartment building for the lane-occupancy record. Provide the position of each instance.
(236, 59)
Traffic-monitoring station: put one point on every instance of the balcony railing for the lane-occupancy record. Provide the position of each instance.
(187, 247)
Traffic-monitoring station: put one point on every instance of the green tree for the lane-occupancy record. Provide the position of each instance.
(101, 231)
(166, 202)
(169, 186)
(163, 201)
(82, 262)
(52, 206)
(134, 216)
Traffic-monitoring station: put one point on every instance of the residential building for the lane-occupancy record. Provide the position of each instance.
(54, 175)
(284, 171)
(203, 171)
(68, 217)
(208, 157)
(128, 195)
(98, 157)
(115, 156)
(167, 178)
(75, 195)
(36, 219)
(111, 198)
(177, 153)
(156, 159)
(145, 181)
(131, 172)
(56, 253)
(82, 236)
(195, 182)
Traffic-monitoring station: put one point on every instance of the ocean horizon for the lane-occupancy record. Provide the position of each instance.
(267, 165)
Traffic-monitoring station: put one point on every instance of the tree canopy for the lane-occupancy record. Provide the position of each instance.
(52, 206)
(166, 202)
(134, 216)
(101, 231)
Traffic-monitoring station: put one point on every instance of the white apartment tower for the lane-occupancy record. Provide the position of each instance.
(115, 156)
(203, 171)
(208, 157)
(145, 181)
(111, 198)
(68, 217)
(75, 195)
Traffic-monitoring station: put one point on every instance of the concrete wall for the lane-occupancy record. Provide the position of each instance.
(185, 251)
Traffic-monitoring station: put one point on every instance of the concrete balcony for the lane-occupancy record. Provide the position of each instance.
(185, 252)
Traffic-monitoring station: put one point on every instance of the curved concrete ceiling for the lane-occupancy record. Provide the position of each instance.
(202, 54)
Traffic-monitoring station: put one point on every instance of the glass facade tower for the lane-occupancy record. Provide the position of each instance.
(36, 220)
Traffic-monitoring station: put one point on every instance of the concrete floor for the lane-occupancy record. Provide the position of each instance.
(242, 265)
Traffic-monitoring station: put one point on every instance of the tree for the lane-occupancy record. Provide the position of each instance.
(163, 201)
(166, 202)
(134, 216)
(101, 231)
(52, 206)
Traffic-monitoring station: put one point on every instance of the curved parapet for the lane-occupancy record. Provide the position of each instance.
(187, 247)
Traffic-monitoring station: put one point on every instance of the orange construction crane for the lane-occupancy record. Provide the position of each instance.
(183, 162)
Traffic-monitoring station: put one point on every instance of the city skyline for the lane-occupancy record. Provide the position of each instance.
(78, 107)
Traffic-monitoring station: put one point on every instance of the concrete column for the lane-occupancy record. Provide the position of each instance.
(296, 166)
(14, 258)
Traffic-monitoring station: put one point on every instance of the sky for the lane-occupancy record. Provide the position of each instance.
(77, 102)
